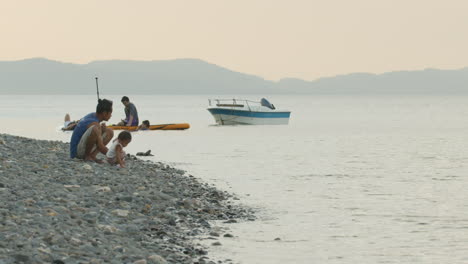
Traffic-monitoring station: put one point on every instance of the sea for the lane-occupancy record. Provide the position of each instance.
(351, 179)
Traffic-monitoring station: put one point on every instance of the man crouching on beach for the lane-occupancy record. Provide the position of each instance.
(89, 137)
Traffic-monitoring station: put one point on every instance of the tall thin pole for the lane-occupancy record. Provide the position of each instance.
(97, 88)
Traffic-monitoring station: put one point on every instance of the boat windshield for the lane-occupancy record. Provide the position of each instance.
(264, 102)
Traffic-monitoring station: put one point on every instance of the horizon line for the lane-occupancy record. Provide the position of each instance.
(207, 62)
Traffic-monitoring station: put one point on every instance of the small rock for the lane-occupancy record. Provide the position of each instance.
(146, 209)
(95, 261)
(216, 244)
(103, 189)
(120, 212)
(75, 241)
(171, 222)
(51, 212)
(119, 249)
(277, 239)
(90, 217)
(228, 235)
(87, 167)
(132, 229)
(108, 228)
(21, 258)
(156, 259)
(141, 261)
(214, 234)
(44, 250)
(126, 198)
(204, 223)
(29, 202)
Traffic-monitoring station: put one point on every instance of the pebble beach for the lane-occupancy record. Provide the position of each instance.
(54, 209)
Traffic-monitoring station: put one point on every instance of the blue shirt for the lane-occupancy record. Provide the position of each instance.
(79, 130)
(131, 111)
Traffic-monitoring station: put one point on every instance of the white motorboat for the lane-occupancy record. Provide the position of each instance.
(246, 112)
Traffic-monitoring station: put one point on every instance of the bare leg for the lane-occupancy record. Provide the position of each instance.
(91, 145)
(72, 126)
(109, 134)
(91, 150)
(93, 157)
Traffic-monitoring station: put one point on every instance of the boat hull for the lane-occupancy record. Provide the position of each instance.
(240, 117)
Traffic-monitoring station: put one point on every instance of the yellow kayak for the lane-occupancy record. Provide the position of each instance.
(181, 126)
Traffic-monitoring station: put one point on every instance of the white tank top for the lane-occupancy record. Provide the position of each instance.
(112, 153)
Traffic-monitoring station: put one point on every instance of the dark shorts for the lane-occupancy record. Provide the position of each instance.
(134, 123)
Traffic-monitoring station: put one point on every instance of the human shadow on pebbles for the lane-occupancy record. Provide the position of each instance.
(54, 209)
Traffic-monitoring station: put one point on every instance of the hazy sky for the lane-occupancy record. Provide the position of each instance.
(273, 39)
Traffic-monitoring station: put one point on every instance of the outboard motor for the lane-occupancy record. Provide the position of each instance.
(264, 102)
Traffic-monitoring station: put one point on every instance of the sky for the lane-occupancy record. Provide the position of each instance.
(273, 39)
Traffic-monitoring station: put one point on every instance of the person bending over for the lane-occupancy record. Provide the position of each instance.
(89, 136)
(116, 155)
(145, 125)
(131, 113)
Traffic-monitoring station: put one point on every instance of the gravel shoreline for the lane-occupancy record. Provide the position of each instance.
(54, 209)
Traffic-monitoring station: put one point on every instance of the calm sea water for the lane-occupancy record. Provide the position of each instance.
(351, 179)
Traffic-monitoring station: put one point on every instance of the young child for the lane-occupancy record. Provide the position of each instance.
(116, 155)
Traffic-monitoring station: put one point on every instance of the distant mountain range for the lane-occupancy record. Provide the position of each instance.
(193, 76)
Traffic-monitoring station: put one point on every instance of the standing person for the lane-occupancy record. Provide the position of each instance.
(131, 113)
(89, 137)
